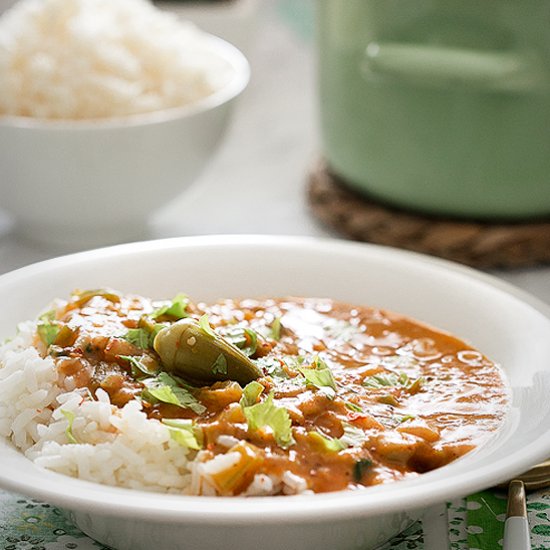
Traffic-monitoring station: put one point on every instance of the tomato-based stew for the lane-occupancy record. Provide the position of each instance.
(335, 396)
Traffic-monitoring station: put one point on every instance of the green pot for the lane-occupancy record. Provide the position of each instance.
(440, 106)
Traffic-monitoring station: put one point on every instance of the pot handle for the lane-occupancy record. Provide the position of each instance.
(438, 66)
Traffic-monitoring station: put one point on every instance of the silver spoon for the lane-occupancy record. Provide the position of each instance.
(516, 530)
(537, 477)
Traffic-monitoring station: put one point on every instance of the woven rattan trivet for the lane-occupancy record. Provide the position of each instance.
(479, 244)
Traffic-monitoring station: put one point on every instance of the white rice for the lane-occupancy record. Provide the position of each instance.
(82, 59)
(119, 447)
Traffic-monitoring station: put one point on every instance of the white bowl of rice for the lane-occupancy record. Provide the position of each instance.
(127, 488)
(108, 110)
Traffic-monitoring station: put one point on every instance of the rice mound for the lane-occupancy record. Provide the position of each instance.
(118, 447)
(86, 59)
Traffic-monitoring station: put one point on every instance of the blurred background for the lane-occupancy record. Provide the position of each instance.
(256, 183)
(271, 142)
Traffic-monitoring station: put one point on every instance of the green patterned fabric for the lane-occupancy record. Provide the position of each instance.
(474, 523)
(485, 519)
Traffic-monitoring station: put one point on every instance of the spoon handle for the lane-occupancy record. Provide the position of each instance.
(516, 534)
(516, 528)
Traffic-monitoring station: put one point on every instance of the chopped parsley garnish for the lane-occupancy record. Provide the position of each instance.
(320, 376)
(276, 329)
(251, 342)
(144, 336)
(47, 332)
(251, 392)
(139, 337)
(47, 316)
(184, 432)
(154, 330)
(294, 361)
(393, 380)
(70, 416)
(267, 414)
(360, 467)
(273, 366)
(388, 399)
(138, 368)
(243, 338)
(353, 437)
(331, 444)
(220, 365)
(176, 309)
(416, 386)
(166, 389)
(204, 324)
(353, 407)
(47, 327)
(382, 381)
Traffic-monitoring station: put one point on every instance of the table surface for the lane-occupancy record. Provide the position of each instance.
(273, 140)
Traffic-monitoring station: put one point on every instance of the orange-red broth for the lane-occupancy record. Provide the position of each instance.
(413, 398)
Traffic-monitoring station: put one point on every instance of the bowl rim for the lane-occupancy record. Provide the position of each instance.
(426, 490)
(237, 83)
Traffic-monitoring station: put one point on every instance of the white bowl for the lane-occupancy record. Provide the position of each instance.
(506, 324)
(92, 182)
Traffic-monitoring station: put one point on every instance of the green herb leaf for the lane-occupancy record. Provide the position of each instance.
(393, 380)
(137, 366)
(205, 326)
(251, 392)
(353, 407)
(320, 376)
(353, 436)
(276, 329)
(47, 332)
(252, 341)
(47, 316)
(406, 418)
(70, 416)
(175, 309)
(165, 389)
(294, 361)
(416, 385)
(267, 414)
(381, 381)
(138, 337)
(388, 399)
(155, 329)
(243, 338)
(360, 467)
(185, 432)
(331, 444)
(272, 366)
(234, 335)
(220, 365)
